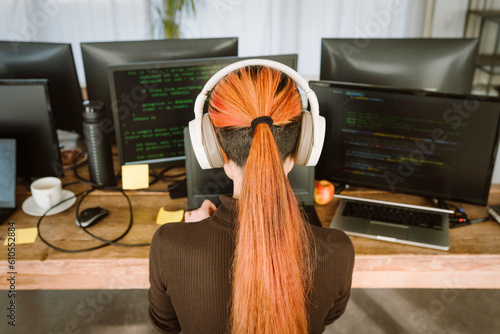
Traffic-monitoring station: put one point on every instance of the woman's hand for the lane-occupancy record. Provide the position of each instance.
(206, 210)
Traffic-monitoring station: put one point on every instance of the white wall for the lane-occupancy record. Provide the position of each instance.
(74, 21)
(449, 18)
(296, 26)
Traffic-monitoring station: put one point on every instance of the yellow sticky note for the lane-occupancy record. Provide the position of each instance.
(165, 216)
(24, 236)
(135, 176)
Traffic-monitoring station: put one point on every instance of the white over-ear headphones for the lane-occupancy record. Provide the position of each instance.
(204, 138)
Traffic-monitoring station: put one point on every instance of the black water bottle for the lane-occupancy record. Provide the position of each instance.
(100, 159)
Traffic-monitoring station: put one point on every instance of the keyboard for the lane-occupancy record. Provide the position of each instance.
(393, 214)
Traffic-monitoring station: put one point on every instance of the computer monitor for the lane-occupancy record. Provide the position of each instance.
(52, 61)
(209, 184)
(154, 101)
(439, 64)
(26, 115)
(431, 144)
(98, 56)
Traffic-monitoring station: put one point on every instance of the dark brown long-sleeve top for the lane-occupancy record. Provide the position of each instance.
(190, 266)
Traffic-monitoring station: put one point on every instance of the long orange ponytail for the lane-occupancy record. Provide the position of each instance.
(272, 268)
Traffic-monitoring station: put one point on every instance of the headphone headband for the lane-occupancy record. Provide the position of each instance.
(202, 132)
(311, 96)
(255, 62)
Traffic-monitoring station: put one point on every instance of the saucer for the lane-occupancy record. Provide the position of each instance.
(30, 207)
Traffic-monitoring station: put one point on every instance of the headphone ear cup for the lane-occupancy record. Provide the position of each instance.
(305, 141)
(210, 143)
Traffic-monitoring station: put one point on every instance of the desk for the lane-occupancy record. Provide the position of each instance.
(473, 260)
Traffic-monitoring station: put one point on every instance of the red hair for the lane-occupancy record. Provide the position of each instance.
(272, 268)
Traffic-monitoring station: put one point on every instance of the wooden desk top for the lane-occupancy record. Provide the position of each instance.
(473, 260)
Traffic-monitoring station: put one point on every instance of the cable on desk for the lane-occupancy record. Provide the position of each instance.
(110, 242)
(62, 249)
(173, 186)
(84, 194)
(341, 187)
(85, 181)
(75, 171)
(479, 220)
(460, 217)
(76, 182)
(78, 176)
(169, 177)
(156, 177)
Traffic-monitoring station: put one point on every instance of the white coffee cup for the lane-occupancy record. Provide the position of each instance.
(46, 191)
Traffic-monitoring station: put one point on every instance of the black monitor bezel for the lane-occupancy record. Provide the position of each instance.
(361, 43)
(413, 92)
(136, 52)
(169, 64)
(70, 84)
(56, 167)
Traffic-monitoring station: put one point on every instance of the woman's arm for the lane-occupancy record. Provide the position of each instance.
(341, 302)
(161, 310)
(206, 210)
(339, 307)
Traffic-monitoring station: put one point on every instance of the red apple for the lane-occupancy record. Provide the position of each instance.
(323, 192)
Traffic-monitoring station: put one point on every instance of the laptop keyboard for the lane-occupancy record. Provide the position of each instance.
(393, 214)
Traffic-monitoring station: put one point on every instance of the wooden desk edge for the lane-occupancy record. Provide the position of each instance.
(370, 271)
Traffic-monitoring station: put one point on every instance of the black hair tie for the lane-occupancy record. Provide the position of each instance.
(262, 119)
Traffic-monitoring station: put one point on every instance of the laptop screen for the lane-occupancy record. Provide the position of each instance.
(211, 183)
(8, 172)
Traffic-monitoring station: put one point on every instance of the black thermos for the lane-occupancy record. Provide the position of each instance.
(100, 159)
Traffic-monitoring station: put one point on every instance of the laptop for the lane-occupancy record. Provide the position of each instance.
(211, 183)
(8, 178)
(422, 226)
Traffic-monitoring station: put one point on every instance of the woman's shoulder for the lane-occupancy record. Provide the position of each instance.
(167, 230)
(331, 233)
(177, 232)
(195, 234)
(331, 241)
